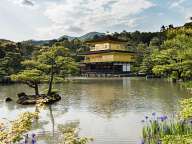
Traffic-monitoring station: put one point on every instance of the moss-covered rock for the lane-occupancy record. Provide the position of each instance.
(32, 99)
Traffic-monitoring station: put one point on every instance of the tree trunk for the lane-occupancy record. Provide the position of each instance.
(52, 121)
(36, 89)
(50, 82)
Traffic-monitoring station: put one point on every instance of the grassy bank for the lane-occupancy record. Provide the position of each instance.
(187, 85)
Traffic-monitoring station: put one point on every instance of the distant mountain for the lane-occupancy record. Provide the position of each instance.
(88, 36)
(5, 41)
(70, 38)
(36, 42)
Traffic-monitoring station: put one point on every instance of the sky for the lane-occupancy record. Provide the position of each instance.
(49, 19)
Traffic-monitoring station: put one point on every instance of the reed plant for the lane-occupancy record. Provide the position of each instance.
(169, 130)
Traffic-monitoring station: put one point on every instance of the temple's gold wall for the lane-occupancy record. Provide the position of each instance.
(110, 57)
(114, 46)
(107, 46)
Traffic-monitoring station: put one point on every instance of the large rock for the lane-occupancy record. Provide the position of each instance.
(21, 95)
(32, 99)
(8, 99)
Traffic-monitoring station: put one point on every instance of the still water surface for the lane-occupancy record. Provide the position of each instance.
(109, 110)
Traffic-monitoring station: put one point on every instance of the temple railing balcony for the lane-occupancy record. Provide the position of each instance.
(92, 48)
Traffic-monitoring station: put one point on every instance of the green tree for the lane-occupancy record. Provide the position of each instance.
(51, 63)
(32, 74)
(147, 63)
(175, 58)
(10, 58)
(58, 63)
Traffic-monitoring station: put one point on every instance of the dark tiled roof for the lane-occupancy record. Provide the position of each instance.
(106, 38)
(104, 51)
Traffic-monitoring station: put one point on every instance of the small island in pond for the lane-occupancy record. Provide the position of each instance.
(33, 99)
(49, 66)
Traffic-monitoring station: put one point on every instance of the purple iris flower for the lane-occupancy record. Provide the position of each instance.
(153, 114)
(162, 118)
(33, 135)
(33, 141)
(165, 117)
(146, 117)
(142, 142)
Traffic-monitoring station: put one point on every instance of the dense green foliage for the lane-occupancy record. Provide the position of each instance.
(10, 58)
(49, 64)
(175, 57)
(186, 109)
(11, 55)
(170, 58)
(14, 132)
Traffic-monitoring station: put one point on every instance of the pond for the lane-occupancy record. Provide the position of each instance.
(110, 110)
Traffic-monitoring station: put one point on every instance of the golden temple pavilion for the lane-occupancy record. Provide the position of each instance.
(108, 56)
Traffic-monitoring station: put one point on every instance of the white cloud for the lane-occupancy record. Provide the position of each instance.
(81, 16)
(176, 3)
(29, 3)
(183, 9)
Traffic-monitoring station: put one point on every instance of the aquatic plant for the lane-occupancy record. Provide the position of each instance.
(177, 130)
(70, 135)
(159, 130)
(18, 128)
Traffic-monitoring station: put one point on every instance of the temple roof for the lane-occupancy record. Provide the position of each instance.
(106, 38)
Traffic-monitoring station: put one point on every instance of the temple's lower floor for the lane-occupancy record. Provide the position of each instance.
(105, 68)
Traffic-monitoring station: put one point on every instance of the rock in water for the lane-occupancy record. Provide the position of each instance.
(21, 95)
(32, 99)
(8, 99)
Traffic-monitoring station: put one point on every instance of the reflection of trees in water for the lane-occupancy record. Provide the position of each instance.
(49, 136)
(56, 135)
(106, 99)
(40, 124)
(157, 94)
(110, 97)
(98, 96)
(52, 122)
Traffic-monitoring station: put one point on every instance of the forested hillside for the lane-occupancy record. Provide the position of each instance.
(11, 55)
(166, 53)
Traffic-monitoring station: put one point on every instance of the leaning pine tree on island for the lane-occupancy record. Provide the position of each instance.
(48, 65)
